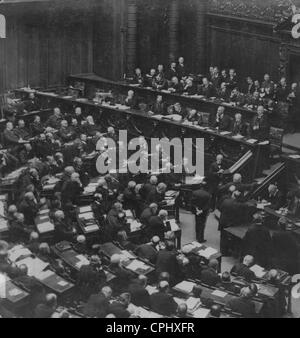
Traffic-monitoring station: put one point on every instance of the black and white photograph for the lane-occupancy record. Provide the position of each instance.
(149, 161)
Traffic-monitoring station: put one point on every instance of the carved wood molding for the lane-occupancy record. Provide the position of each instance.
(268, 10)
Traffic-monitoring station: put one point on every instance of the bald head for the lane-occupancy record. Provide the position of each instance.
(107, 292)
(182, 309)
(248, 260)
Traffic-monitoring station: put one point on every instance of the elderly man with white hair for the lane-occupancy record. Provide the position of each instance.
(243, 269)
(29, 207)
(162, 302)
(64, 229)
(156, 225)
(130, 100)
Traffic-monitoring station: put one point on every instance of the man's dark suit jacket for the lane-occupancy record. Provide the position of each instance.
(224, 124)
(139, 295)
(147, 251)
(163, 303)
(243, 271)
(243, 306)
(156, 227)
(257, 242)
(97, 306)
(167, 262)
(210, 277)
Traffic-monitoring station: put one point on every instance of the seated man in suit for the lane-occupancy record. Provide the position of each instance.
(162, 302)
(210, 275)
(260, 127)
(226, 282)
(148, 251)
(98, 304)
(158, 107)
(257, 242)
(21, 131)
(55, 119)
(31, 104)
(156, 225)
(167, 262)
(175, 86)
(139, 294)
(206, 89)
(148, 81)
(148, 213)
(171, 72)
(46, 310)
(243, 269)
(223, 93)
(138, 77)
(243, 304)
(238, 126)
(130, 100)
(189, 87)
(124, 276)
(222, 122)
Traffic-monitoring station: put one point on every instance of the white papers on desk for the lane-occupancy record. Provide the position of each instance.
(82, 260)
(170, 193)
(151, 289)
(127, 254)
(201, 313)
(44, 275)
(62, 283)
(225, 132)
(128, 213)
(238, 137)
(91, 228)
(158, 116)
(44, 212)
(35, 265)
(45, 227)
(170, 202)
(192, 303)
(258, 270)
(197, 244)
(49, 187)
(15, 292)
(185, 286)
(85, 209)
(135, 226)
(87, 216)
(263, 143)
(261, 206)
(252, 140)
(174, 117)
(207, 253)
(3, 225)
(137, 265)
(179, 300)
(219, 293)
(194, 179)
(53, 180)
(174, 226)
(67, 97)
(296, 156)
(17, 252)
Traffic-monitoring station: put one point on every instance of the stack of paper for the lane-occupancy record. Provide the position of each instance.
(44, 275)
(252, 140)
(91, 228)
(128, 213)
(87, 216)
(151, 289)
(127, 254)
(17, 252)
(185, 286)
(201, 313)
(85, 209)
(82, 260)
(258, 270)
(45, 227)
(137, 265)
(174, 226)
(219, 293)
(296, 156)
(44, 212)
(192, 303)
(3, 225)
(135, 226)
(207, 253)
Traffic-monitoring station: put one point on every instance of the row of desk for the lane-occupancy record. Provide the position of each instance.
(141, 123)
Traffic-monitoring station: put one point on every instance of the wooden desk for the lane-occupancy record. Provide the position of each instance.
(109, 249)
(217, 296)
(54, 282)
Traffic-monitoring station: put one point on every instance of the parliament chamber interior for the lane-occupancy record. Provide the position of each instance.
(77, 241)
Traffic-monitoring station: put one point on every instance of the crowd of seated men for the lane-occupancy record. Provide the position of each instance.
(225, 85)
(40, 147)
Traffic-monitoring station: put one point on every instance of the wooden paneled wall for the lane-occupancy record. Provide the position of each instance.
(43, 47)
